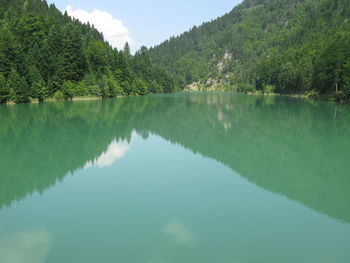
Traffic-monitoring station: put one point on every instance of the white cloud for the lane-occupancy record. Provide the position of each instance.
(112, 28)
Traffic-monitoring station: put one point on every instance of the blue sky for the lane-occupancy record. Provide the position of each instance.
(145, 22)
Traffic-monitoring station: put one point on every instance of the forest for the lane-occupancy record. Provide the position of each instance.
(298, 47)
(45, 54)
(266, 46)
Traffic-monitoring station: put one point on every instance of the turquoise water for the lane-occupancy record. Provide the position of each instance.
(204, 177)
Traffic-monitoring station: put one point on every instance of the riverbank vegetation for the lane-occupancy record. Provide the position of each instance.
(45, 54)
(299, 47)
(267, 46)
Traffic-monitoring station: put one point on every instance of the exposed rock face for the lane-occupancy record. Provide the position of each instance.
(194, 87)
(228, 56)
(215, 84)
(210, 84)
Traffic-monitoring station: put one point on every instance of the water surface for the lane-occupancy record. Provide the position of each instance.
(197, 178)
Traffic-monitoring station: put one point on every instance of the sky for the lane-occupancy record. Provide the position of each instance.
(144, 22)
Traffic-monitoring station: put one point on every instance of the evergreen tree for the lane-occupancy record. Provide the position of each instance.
(140, 87)
(8, 50)
(110, 88)
(127, 87)
(36, 83)
(293, 46)
(154, 87)
(40, 89)
(19, 91)
(72, 63)
(126, 49)
(4, 91)
(68, 89)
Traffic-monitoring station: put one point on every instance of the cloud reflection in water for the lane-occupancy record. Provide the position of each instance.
(179, 233)
(26, 247)
(116, 150)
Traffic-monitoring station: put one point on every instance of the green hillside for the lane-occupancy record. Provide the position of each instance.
(281, 46)
(44, 53)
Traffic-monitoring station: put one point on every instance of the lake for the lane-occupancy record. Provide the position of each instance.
(190, 178)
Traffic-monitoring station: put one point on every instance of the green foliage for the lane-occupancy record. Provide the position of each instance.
(155, 87)
(140, 87)
(269, 89)
(68, 90)
(58, 95)
(126, 49)
(19, 91)
(97, 53)
(9, 50)
(246, 87)
(346, 79)
(39, 88)
(332, 67)
(4, 91)
(157, 78)
(127, 87)
(109, 87)
(52, 52)
(294, 46)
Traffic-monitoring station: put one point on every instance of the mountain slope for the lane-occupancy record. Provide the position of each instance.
(283, 46)
(44, 53)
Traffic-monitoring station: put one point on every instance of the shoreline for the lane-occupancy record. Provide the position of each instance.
(93, 98)
(73, 99)
(299, 96)
(87, 98)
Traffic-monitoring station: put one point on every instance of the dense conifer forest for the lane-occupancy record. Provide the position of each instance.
(267, 46)
(46, 54)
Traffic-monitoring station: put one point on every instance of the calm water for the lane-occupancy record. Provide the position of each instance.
(202, 178)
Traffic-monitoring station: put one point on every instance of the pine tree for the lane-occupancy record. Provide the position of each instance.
(124, 67)
(68, 89)
(127, 87)
(154, 87)
(346, 80)
(19, 91)
(140, 87)
(8, 50)
(126, 49)
(53, 53)
(73, 63)
(4, 92)
(38, 89)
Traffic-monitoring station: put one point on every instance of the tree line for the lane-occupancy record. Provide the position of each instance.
(281, 46)
(46, 54)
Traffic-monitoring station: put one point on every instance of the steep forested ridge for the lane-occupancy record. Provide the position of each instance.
(44, 53)
(281, 46)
